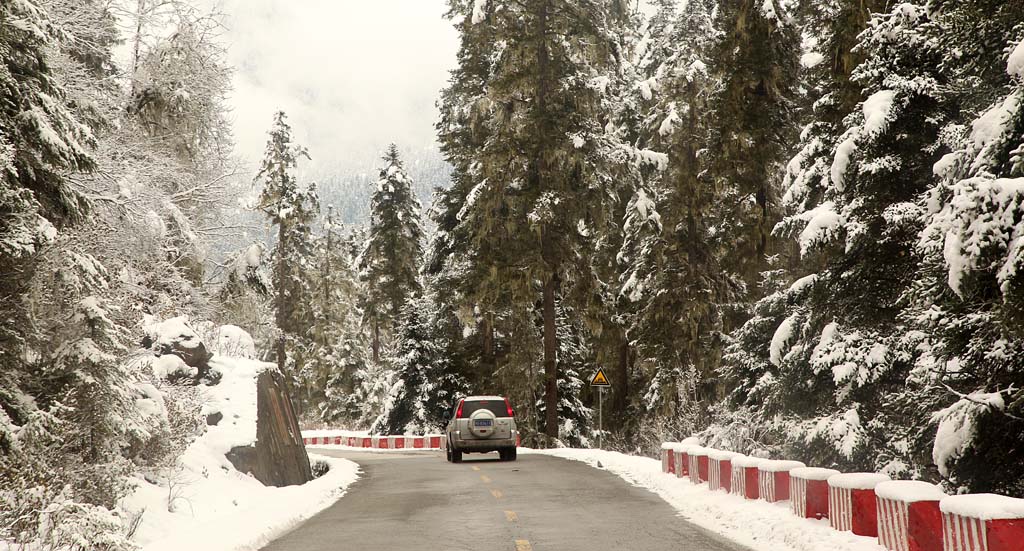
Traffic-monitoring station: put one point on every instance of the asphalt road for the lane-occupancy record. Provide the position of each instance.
(419, 501)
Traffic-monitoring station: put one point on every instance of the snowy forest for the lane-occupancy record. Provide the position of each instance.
(793, 227)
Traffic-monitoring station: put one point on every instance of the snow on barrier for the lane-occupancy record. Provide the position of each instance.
(908, 515)
(720, 469)
(744, 477)
(982, 522)
(808, 491)
(773, 479)
(698, 464)
(903, 515)
(851, 502)
(682, 456)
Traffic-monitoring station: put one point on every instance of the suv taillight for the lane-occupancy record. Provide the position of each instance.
(509, 407)
(458, 412)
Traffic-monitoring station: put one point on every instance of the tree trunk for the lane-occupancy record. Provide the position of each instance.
(621, 380)
(550, 362)
(487, 332)
(376, 341)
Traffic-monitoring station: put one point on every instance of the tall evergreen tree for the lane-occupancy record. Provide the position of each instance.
(844, 351)
(969, 296)
(390, 262)
(543, 173)
(755, 59)
(292, 208)
(336, 343)
(672, 282)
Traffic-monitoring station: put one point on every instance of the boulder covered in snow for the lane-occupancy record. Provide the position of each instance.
(234, 342)
(176, 337)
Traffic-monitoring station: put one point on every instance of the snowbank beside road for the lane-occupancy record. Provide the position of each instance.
(229, 511)
(760, 525)
(203, 502)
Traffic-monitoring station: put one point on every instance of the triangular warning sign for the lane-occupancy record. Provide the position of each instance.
(600, 379)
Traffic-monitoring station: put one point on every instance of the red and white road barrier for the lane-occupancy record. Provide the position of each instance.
(982, 522)
(744, 477)
(808, 491)
(773, 479)
(851, 502)
(668, 457)
(908, 515)
(381, 442)
(720, 469)
(682, 455)
(698, 464)
(903, 515)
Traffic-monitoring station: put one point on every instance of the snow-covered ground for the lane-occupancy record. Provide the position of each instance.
(228, 511)
(204, 503)
(757, 524)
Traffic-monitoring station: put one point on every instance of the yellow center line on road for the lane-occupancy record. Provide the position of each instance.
(476, 468)
(523, 545)
(511, 516)
(485, 478)
(497, 494)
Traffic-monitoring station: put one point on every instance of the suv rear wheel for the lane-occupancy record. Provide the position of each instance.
(507, 454)
(456, 456)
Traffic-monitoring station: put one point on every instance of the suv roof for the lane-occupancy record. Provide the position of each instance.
(476, 398)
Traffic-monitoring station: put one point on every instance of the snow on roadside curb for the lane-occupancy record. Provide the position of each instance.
(760, 525)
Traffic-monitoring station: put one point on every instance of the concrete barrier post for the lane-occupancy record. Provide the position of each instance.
(744, 477)
(698, 466)
(808, 491)
(682, 460)
(908, 515)
(720, 469)
(682, 456)
(773, 479)
(982, 522)
(851, 502)
(668, 460)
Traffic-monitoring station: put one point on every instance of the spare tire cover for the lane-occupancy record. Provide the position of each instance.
(481, 432)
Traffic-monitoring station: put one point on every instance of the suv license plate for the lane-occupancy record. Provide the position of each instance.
(481, 422)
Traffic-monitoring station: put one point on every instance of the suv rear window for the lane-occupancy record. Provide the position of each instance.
(497, 407)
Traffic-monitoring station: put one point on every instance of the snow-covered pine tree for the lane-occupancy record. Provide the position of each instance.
(390, 262)
(292, 208)
(336, 343)
(462, 131)
(969, 297)
(841, 358)
(543, 175)
(671, 281)
(750, 368)
(413, 359)
(755, 61)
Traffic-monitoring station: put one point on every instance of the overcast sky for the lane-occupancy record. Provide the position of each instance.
(352, 75)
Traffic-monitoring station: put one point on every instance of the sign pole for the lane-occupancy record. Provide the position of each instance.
(600, 380)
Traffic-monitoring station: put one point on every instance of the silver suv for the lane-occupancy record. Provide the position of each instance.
(482, 424)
